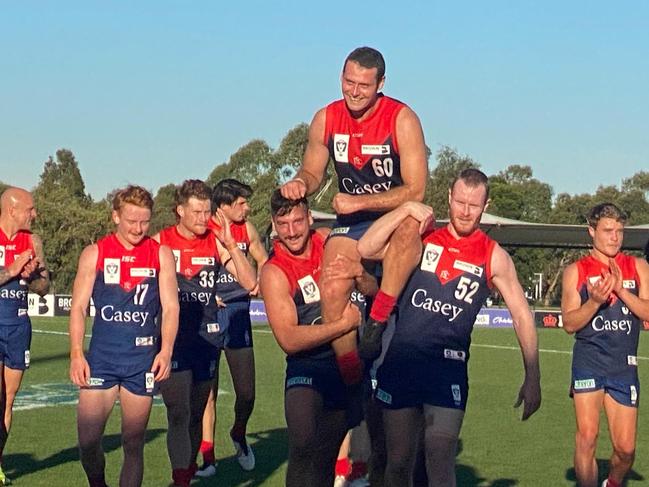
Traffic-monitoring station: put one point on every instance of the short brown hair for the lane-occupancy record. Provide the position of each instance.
(472, 177)
(368, 58)
(192, 188)
(134, 195)
(605, 210)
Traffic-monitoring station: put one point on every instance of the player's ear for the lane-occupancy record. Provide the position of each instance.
(310, 219)
(115, 216)
(591, 231)
(381, 83)
(180, 211)
(486, 205)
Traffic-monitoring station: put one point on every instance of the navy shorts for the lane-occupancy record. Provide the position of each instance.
(352, 230)
(625, 390)
(14, 345)
(406, 380)
(196, 355)
(321, 375)
(235, 319)
(136, 377)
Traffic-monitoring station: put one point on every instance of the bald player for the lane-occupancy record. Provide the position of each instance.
(22, 269)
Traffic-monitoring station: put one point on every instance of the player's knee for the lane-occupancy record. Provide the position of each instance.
(586, 438)
(625, 452)
(335, 290)
(178, 415)
(133, 442)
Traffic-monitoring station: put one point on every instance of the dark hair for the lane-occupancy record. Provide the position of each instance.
(605, 210)
(227, 191)
(192, 188)
(472, 177)
(134, 195)
(280, 206)
(368, 58)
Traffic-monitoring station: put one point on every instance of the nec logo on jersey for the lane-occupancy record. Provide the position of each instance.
(111, 271)
(430, 259)
(143, 272)
(628, 284)
(375, 150)
(2, 255)
(243, 246)
(203, 260)
(309, 288)
(466, 267)
(341, 147)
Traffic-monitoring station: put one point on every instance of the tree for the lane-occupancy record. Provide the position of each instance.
(68, 218)
(164, 208)
(449, 165)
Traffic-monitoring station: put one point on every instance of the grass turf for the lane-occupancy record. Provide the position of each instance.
(496, 448)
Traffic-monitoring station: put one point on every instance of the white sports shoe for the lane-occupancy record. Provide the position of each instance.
(206, 470)
(340, 481)
(245, 458)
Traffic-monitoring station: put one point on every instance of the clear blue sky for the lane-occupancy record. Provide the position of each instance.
(152, 92)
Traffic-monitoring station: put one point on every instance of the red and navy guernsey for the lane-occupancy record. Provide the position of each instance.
(13, 293)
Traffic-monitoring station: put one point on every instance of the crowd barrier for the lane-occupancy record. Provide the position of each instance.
(59, 305)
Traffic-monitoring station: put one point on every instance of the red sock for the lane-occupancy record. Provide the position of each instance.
(342, 467)
(351, 368)
(207, 450)
(358, 470)
(382, 306)
(612, 483)
(182, 476)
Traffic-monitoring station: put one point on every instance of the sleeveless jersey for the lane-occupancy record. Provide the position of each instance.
(608, 344)
(228, 288)
(444, 294)
(13, 293)
(197, 265)
(127, 301)
(365, 154)
(303, 276)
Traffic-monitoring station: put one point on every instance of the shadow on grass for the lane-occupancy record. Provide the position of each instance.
(21, 464)
(271, 452)
(602, 469)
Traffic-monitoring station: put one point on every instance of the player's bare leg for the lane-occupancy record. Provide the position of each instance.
(402, 429)
(314, 438)
(440, 440)
(401, 258)
(333, 299)
(176, 394)
(622, 424)
(587, 408)
(135, 417)
(93, 411)
(9, 385)
(241, 362)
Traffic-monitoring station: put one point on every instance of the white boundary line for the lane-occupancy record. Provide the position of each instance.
(268, 332)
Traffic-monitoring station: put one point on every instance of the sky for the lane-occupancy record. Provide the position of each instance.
(154, 92)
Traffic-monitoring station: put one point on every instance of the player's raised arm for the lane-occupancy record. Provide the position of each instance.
(81, 292)
(231, 255)
(316, 156)
(505, 279)
(39, 277)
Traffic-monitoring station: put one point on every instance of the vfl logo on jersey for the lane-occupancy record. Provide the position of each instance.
(176, 259)
(2, 255)
(430, 259)
(375, 150)
(142, 272)
(341, 147)
(213, 328)
(309, 288)
(467, 267)
(243, 246)
(111, 271)
(203, 260)
(628, 284)
(632, 360)
(625, 310)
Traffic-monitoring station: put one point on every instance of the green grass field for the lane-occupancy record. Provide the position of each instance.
(497, 449)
